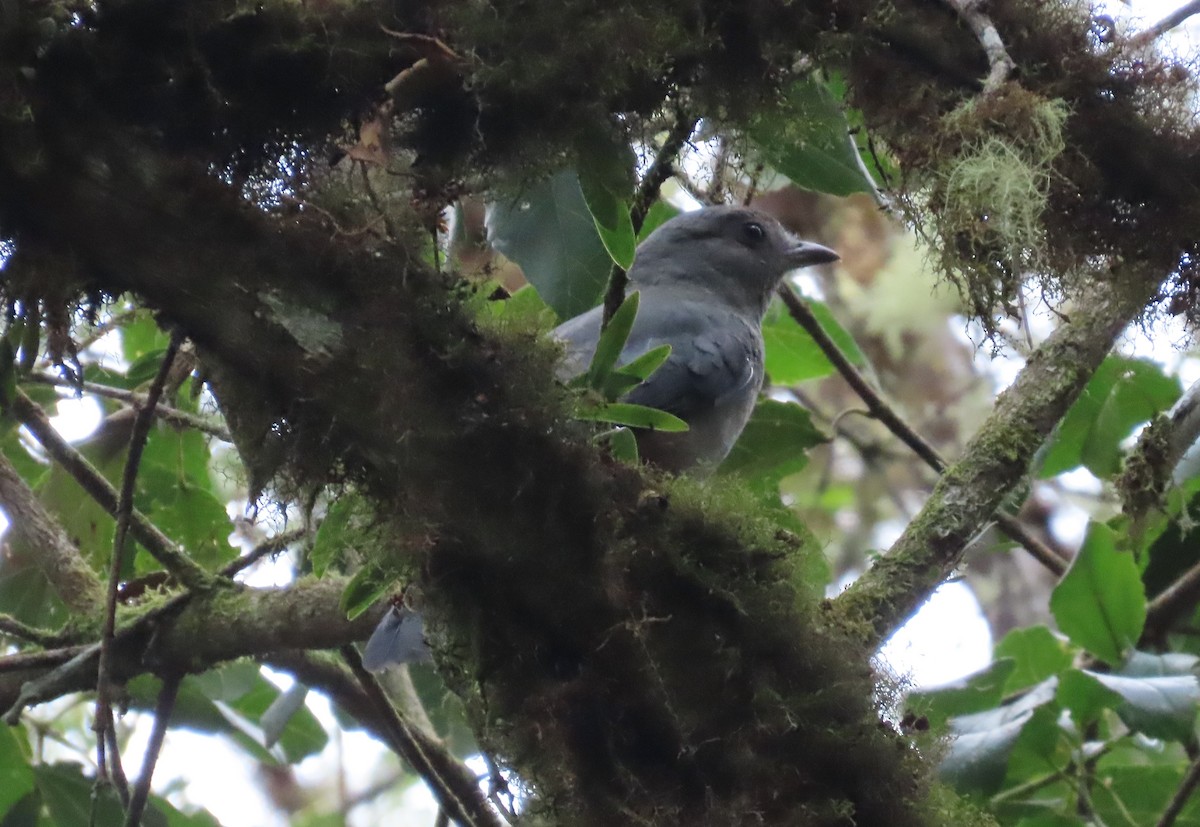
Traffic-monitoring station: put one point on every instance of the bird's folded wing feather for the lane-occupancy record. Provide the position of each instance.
(711, 359)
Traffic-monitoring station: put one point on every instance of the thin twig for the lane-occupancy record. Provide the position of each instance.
(186, 570)
(1172, 602)
(658, 173)
(165, 412)
(457, 792)
(137, 442)
(272, 545)
(883, 412)
(162, 716)
(119, 781)
(1165, 25)
(1186, 787)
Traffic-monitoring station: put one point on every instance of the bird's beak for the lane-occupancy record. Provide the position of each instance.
(805, 253)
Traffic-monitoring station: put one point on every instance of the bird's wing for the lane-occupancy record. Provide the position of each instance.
(714, 354)
(705, 369)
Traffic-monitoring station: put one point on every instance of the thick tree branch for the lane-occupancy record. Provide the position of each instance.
(1175, 18)
(51, 549)
(997, 458)
(194, 632)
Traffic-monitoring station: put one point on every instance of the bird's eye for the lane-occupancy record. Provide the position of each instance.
(753, 232)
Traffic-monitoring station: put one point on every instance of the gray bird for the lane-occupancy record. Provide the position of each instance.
(705, 278)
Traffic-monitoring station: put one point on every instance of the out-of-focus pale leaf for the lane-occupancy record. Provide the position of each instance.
(283, 719)
(1099, 603)
(548, 230)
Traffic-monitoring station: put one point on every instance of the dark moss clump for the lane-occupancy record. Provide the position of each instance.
(675, 673)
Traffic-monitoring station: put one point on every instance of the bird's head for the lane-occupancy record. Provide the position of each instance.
(736, 253)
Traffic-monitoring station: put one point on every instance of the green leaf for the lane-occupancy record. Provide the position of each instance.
(621, 444)
(523, 305)
(343, 525)
(196, 709)
(635, 416)
(25, 812)
(1085, 697)
(26, 594)
(975, 693)
(68, 796)
(1036, 653)
(160, 807)
(629, 376)
(660, 213)
(982, 742)
(550, 233)
(284, 718)
(644, 365)
(807, 139)
(364, 590)
(1125, 795)
(145, 367)
(16, 775)
(1099, 604)
(612, 342)
(610, 210)
(1160, 694)
(1121, 394)
(140, 336)
(1042, 748)
(792, 356)
(774, 443)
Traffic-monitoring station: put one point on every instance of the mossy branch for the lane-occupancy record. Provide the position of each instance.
(997, 458)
